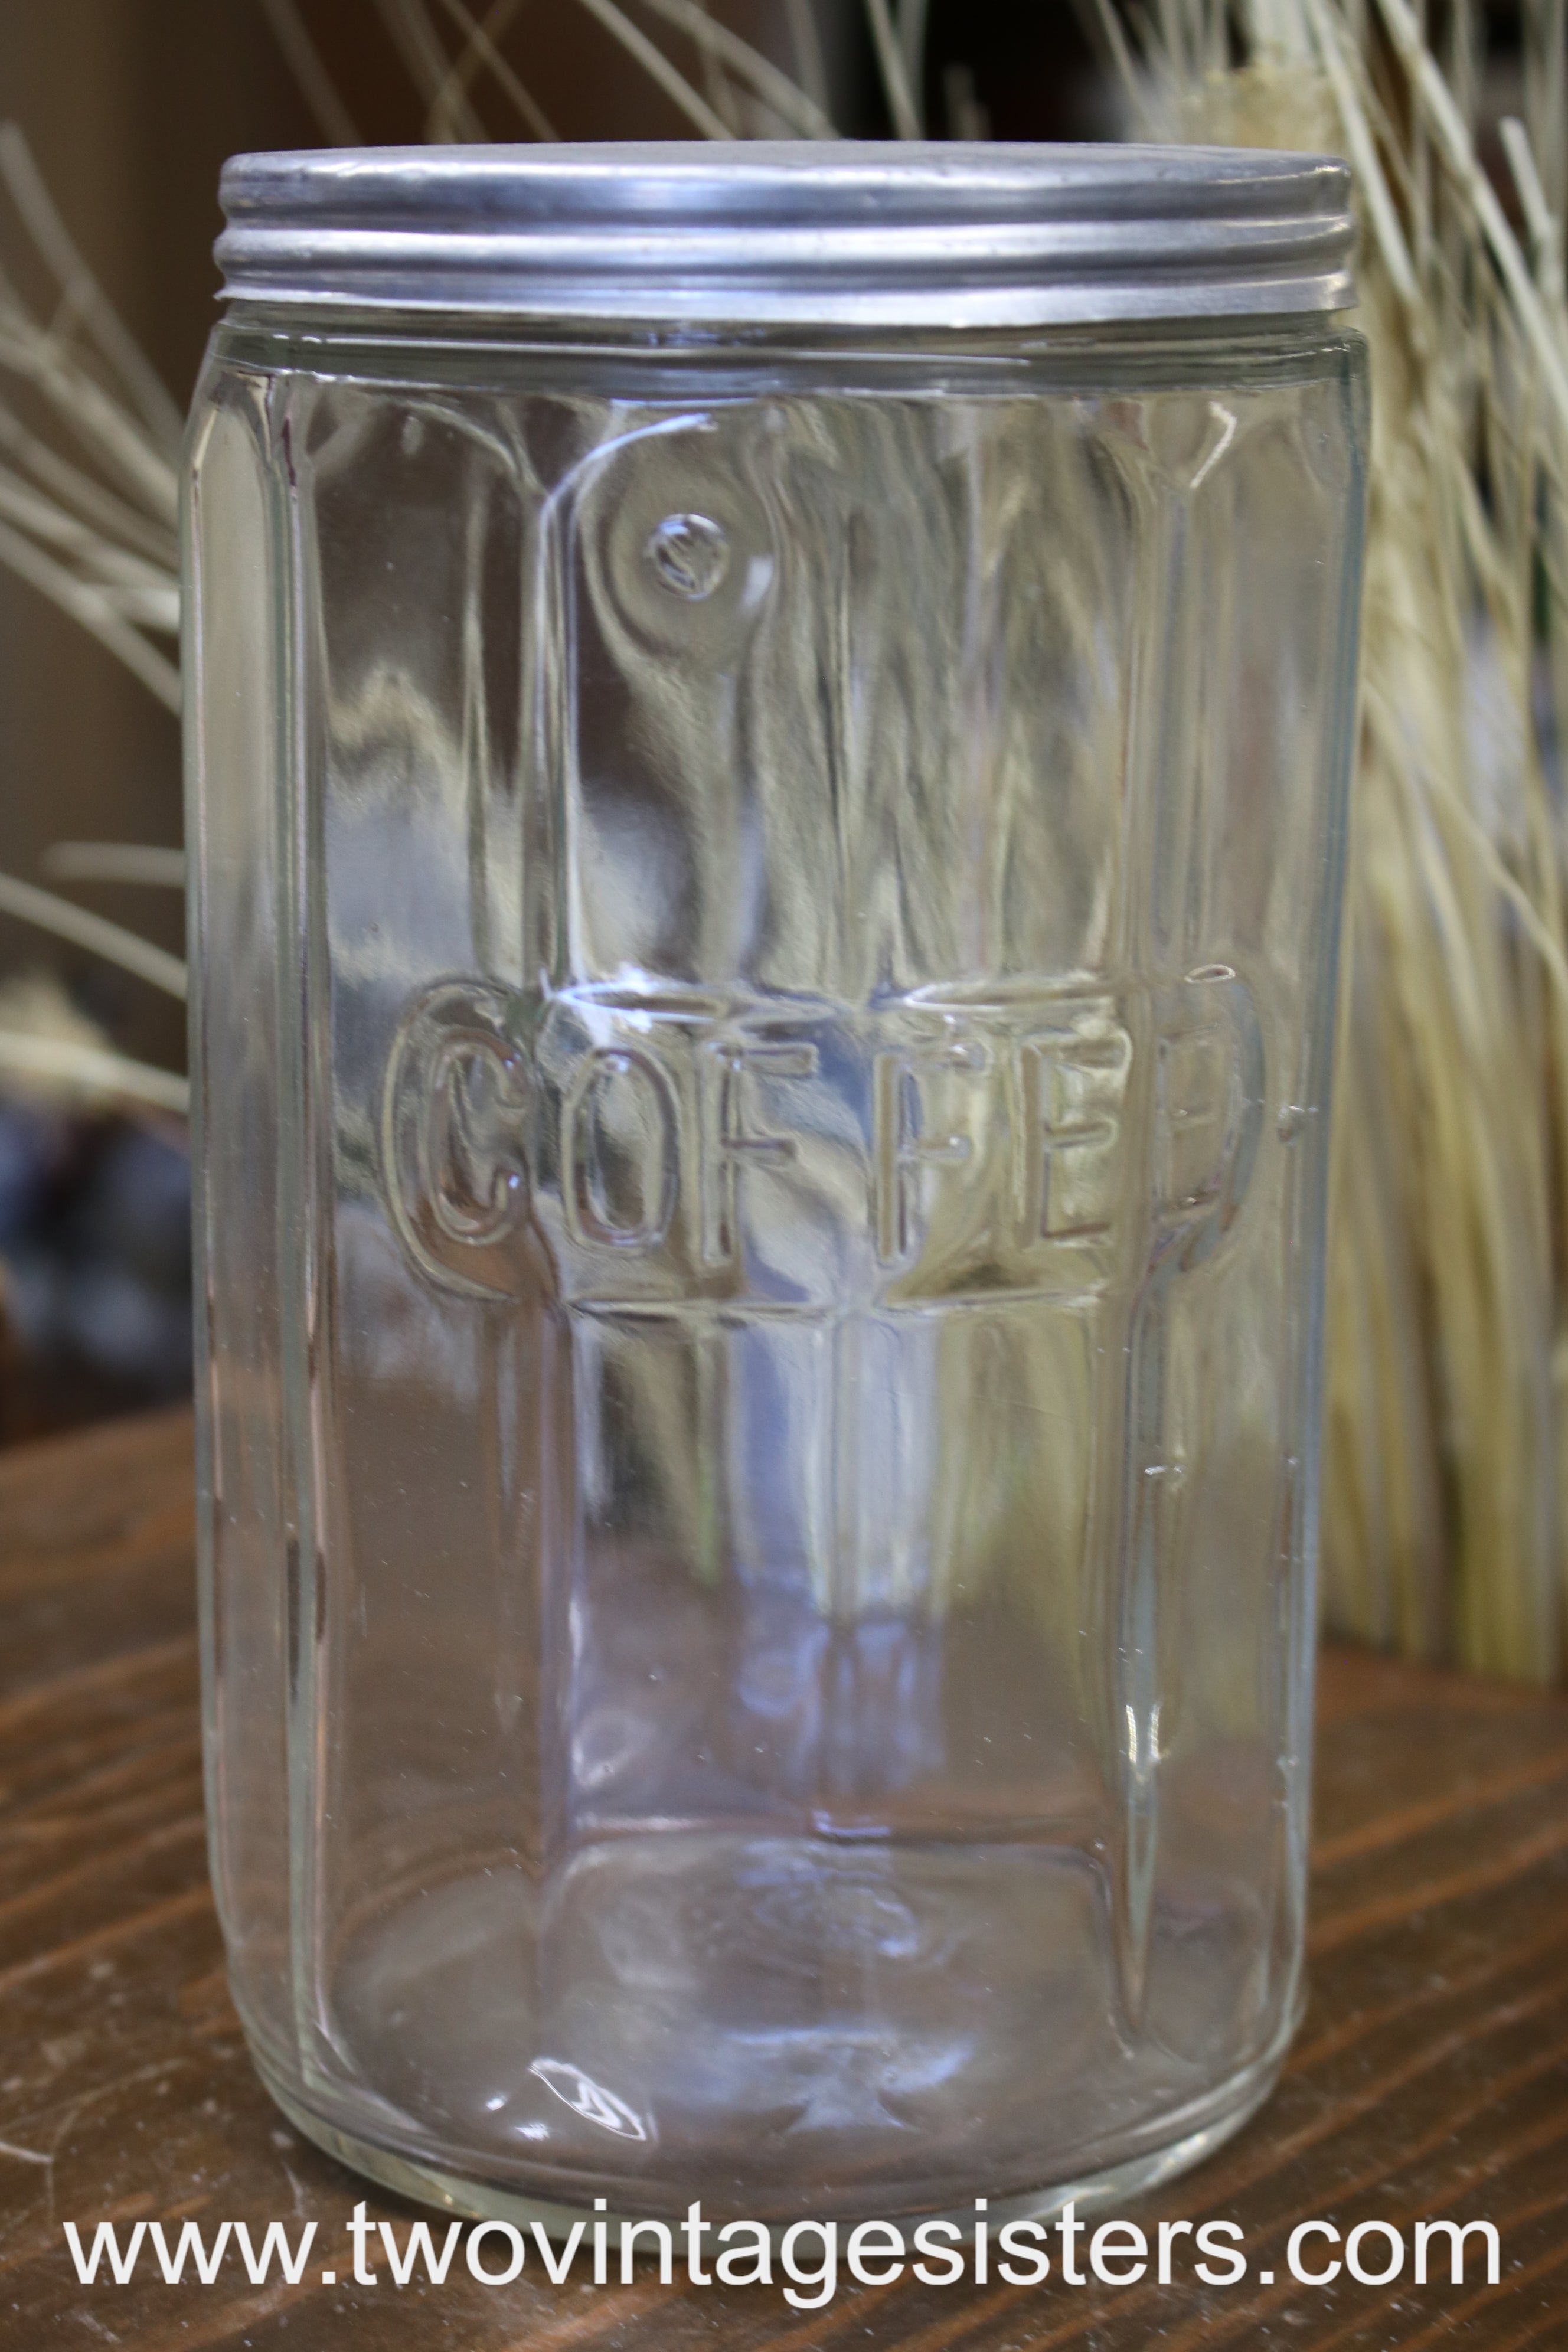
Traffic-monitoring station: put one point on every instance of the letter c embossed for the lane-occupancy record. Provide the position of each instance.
(454, 1167)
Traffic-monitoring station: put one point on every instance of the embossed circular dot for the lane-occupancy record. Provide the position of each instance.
(689, 554)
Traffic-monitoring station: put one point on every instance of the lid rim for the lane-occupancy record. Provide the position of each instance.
(759, 234)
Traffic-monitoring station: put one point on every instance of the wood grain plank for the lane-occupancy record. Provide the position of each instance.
(1430, 2077)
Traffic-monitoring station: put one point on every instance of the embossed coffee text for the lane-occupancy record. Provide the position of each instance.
(628, 1145)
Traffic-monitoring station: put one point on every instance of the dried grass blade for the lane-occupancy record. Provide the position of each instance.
(774, 88)
(429, 67)
(656, 65)
(1546, 28)
(31, 511)
(723, 97)
(1100, 17)
(114, 436)
(1457, 152)
(1361, 148)
(316, 85)
(115, 861)
(157, 609)
(911, 31)
(95, 611)
(810, 66)
(95, 1069)
(479, 44)
(113, 516)
(1545, 231)
(82, 291)
(26, 904)
(468, 65)
(890, 65)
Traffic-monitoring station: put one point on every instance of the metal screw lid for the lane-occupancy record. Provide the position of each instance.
(939, 234)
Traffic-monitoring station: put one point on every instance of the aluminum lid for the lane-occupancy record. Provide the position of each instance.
(831, 233)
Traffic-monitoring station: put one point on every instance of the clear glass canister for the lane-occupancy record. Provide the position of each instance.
(768, 743)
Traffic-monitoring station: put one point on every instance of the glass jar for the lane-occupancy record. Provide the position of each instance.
(768, 745)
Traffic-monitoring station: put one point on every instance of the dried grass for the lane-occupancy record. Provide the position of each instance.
(1447, 1365)
(51, 1052)
(96, 538)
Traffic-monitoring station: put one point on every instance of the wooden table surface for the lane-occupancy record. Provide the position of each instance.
(1430, 2078)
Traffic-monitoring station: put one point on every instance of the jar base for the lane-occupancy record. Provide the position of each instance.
(1225, 2112)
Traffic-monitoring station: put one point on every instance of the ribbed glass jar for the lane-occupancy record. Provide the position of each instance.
(767, 795)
